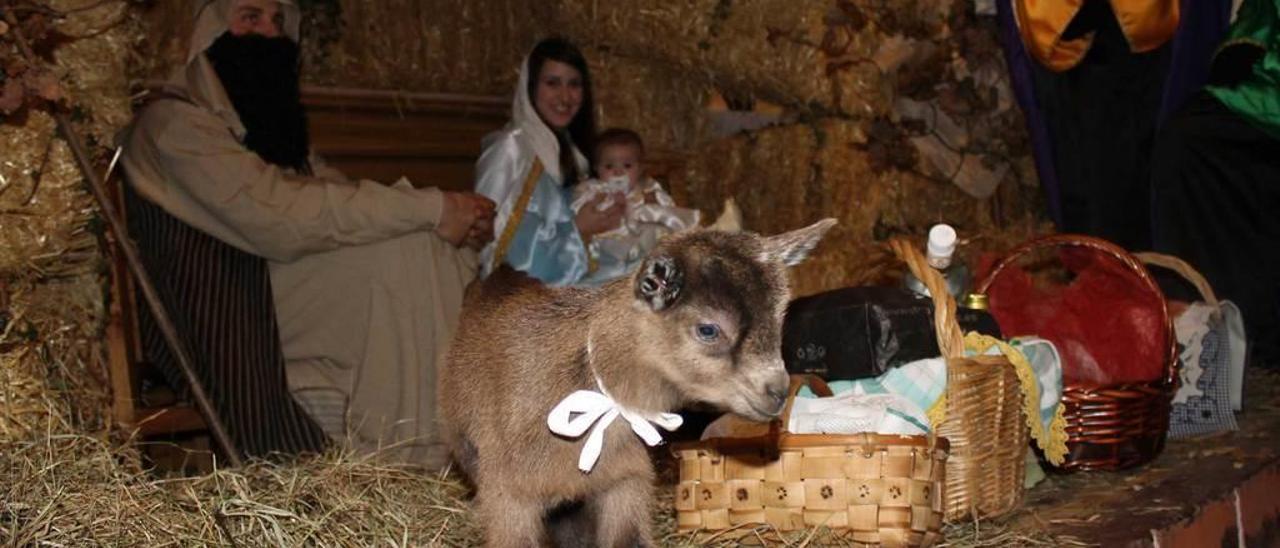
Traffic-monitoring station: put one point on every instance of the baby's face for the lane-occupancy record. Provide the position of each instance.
(618, 160)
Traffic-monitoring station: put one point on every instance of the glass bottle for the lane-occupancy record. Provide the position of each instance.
(939, 252)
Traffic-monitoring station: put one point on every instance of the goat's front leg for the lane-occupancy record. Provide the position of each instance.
(622, 514)
(508, 522)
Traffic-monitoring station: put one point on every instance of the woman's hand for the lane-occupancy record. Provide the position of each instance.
(591, 221)
(467, 220)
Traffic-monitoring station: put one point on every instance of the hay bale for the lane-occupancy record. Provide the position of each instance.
(456, 46)
(165, 31)
(663, 104)
(799, 53)
(442, 45)
(52, 371)
(787, 176)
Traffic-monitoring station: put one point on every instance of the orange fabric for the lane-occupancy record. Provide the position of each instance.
(1147, 24)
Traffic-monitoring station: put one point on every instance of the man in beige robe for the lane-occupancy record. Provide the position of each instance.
(367, 279)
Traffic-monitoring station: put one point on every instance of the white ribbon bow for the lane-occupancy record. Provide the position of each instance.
(599, 409)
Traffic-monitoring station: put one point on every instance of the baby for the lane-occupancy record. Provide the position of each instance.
(651, 213)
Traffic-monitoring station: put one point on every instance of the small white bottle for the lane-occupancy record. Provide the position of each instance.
(939, 252)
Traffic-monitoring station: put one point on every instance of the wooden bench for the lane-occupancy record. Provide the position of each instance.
(433, 139)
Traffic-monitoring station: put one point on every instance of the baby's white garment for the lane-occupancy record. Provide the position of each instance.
(642, 224)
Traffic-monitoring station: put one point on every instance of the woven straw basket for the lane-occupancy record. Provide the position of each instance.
(984, 422)
(1114, 426)
(884, 490)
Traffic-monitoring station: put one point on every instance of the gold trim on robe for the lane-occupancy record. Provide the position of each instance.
(1147, 25)
(517, 214)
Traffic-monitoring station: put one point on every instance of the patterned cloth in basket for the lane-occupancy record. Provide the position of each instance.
(1213, 356)
(899, 394)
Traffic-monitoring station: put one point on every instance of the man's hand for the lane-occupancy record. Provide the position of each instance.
(467, 220)
(481, 232)
(591, 221)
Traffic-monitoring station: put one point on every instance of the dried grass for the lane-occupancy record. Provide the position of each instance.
(772, 49)
(52, 368)
(74, 489)
(788, 176)
(662, 103)
(457, 46)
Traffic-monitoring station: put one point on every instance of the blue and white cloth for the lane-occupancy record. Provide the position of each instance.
(906, 393)
(1046, 363)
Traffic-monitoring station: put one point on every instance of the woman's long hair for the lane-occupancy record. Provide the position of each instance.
(582, 129)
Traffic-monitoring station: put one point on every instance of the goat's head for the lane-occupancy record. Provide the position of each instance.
(712, 305)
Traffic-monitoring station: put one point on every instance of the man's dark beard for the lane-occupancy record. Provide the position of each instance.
(260, 76)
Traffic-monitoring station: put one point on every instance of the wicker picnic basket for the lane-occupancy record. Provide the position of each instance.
(984, 422)
(884, 490)
(1115, 426)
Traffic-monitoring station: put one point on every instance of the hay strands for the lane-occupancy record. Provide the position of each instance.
(97, 188)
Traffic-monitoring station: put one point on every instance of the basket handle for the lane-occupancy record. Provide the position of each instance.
(1187, 272)
(950, 337)
(1080, 240)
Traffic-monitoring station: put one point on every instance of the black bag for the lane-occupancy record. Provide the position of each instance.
(861, 332)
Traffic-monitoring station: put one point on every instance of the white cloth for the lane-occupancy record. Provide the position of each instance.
(855, 412)
(508, 156)
(580, 410)
(1191, 327)
(372, 322)
(642, 223)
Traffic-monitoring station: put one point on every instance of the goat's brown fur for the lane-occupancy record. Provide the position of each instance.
(522, 347)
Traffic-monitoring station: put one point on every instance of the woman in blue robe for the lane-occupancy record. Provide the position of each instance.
(529, 167)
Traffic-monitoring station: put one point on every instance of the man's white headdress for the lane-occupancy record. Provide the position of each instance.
(213, 18)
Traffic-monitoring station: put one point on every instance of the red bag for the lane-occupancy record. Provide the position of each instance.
(1107, 325)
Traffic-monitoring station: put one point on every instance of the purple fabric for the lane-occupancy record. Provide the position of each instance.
(1201, 28)
(1203, 25)
(1019, 61)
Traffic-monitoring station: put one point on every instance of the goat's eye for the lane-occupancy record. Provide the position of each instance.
(707, 332)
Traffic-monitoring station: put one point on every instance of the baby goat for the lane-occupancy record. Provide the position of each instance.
(700, 320)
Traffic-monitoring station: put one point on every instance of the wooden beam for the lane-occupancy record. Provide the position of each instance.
(175, 419)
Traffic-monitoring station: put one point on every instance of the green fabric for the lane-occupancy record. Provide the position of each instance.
(1257, 98)
(1034, 473)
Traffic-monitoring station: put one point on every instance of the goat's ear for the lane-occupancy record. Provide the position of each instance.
(790, 248)
(659, 282)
